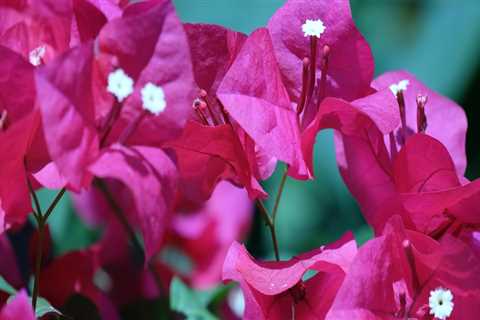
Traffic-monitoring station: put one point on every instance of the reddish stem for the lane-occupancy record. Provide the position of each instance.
(127, 133)
(313, 66)
(403, 116)
(303, 98)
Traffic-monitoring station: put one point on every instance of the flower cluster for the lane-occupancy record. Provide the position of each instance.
(167, 129)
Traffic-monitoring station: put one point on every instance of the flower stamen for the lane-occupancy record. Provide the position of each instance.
(421, 116)
(199, 105)
(3, 120)
(204, 97)
(323, 78)
(407, 246)
(301, 104)
(398, 89)
(313, 67)
(226, 117)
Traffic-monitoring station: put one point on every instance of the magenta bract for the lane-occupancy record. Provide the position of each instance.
(272, 289)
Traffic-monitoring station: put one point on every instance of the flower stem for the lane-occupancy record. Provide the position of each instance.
(112, 116)
(130, 129)
(38, 262)
(279, 194)
(270, 219)
(41, 222)
(271, 226)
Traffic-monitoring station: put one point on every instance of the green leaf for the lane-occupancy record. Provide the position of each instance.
(44, 307)
(193, 304)
(68, 231)
(6, 287)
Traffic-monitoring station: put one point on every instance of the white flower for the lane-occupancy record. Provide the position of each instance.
(153, 98)
(36, 55)
(400, 86)
(441, 303)
(313, 28)
(120, 84)
(236, 301)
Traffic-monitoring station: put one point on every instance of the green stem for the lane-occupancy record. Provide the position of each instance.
(270, 219)
(38, 262)
(271, 226)
(279, 194)
(41, 222)
(54, 203)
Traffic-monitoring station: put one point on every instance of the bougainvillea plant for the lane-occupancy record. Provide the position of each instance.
(162, 133)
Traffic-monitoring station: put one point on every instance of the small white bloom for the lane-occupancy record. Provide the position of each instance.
(120, 84)
(153, 98)
(441, 303)
(313, 28)
(236, 301)
(400, 86)
(36, 55)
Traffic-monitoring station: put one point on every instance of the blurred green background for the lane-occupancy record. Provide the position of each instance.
(437, 40)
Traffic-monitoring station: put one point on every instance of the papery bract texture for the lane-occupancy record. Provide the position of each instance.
(64, 90)
(254, 95)
(213, 49)
(37, 24)
(206, 155)
(149, 43)
(273, 289)
(393, 274)
(20, 136)
(150, 176)
(351, 66)
(446, 121)
(365, 164)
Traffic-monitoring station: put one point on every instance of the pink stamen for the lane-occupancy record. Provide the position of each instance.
(199, 105)
(301, 104)
(130, 129)
(403, 116)
(323, 78)
(313, 66)
(3, 120)
(407, 246)
(204, 97)
(421, 116)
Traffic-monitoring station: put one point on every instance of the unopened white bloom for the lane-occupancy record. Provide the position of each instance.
(441, 303)
(120, 84)
(236, 301)
(400, 86)
(36, 55)
(153, 98)
(313, 28)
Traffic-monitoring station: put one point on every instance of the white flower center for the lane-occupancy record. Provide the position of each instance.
(400, 86)
(153, 98)
(36, 55)
(120, 84)
(313, 28)
(441, 303)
